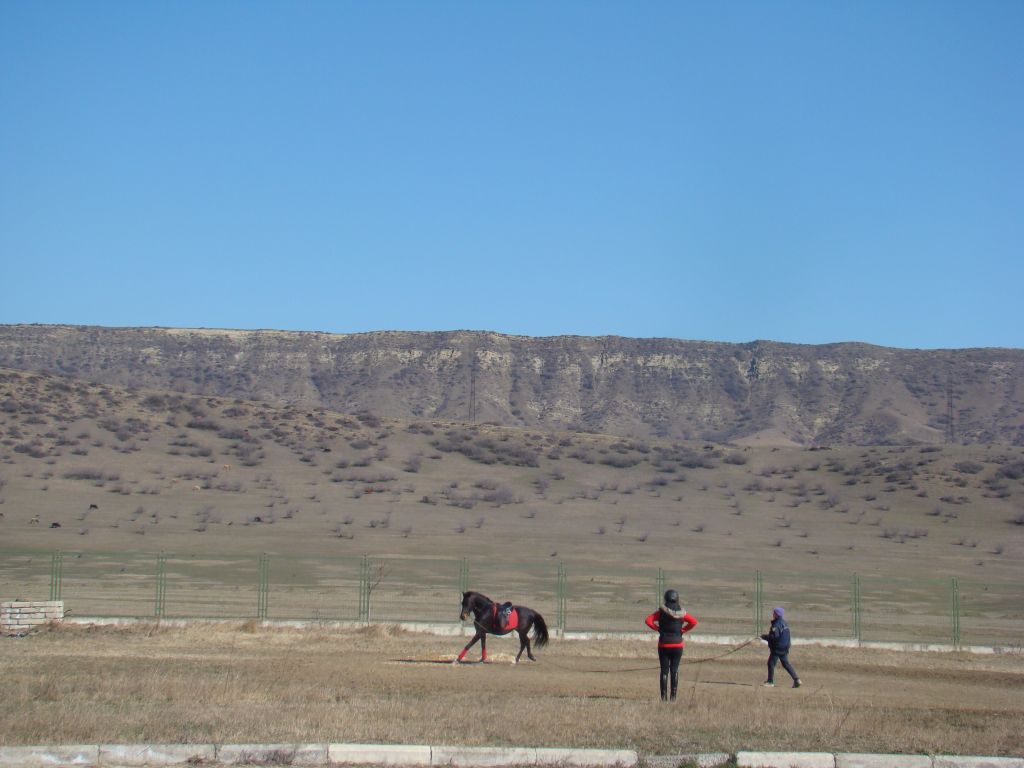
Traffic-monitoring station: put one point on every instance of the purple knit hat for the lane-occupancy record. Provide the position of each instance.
(780, 612)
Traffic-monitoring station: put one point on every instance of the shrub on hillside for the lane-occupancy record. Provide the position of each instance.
(968, 467)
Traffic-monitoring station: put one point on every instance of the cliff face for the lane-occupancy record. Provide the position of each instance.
(758, 392)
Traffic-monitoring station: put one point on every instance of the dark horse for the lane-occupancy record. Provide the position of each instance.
(485, 613)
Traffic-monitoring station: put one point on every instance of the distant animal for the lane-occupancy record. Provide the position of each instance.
(55, 525)
(487, 620)
(196, 488)
(93, 506)
(227, 466)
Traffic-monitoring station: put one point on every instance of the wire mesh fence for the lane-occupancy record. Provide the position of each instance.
(571, 596)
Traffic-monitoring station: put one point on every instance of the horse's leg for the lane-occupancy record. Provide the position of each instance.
(480, 634)
(529, 650)
(483, 647)
(524, 645)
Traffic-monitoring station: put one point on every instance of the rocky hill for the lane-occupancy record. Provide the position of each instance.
(760, 392)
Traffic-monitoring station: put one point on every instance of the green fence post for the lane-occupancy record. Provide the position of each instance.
(560, 598)
(659, 587)
(364, 590)
(758, 600)
(263, 595)
(161, 584)
(56, 574)
(464, 575)
(955, 594)
(856, 608)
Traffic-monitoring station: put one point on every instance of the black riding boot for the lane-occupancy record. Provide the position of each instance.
(675, 686)
(664, 687)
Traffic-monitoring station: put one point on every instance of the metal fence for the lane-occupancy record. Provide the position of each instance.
(573, 597)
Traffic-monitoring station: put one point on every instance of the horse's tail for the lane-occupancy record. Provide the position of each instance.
(540, 630)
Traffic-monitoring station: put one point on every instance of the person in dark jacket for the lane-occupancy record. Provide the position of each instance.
(670, 622)
(779, 641)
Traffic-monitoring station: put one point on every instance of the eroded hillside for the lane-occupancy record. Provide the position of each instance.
(757, 393)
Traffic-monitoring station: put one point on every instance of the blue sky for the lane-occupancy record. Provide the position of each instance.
(803, 172)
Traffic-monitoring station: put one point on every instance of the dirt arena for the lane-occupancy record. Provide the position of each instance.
(237, 683)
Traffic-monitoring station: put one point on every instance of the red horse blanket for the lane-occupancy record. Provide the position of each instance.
(504, 624)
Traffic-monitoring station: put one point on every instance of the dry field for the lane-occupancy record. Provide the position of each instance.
(122, 475)
(242, 684)
(93, 469)
(136, 471)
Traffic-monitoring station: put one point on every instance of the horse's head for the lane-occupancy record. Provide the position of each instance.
(471, 603)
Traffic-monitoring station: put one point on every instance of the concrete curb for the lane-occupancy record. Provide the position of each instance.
(785, 760)
(19, 757)
(411, 755)
(272, 754)
(131, 755)
(586, 757)
(707, 760)
(423, 756)
(459, 630)
(861, 760)
(484, 757)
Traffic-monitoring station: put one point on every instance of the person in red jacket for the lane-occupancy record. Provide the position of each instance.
(670, 622)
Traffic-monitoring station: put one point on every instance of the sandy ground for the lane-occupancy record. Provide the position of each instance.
(238, 684)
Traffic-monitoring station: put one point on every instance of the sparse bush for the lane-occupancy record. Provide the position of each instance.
(368, 419)
(205, 423)
(968, 467)
(84, 474)
(1012, 471)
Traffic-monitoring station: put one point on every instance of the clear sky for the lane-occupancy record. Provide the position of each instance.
(807, 172)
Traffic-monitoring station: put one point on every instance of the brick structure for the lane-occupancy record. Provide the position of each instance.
(20, 616)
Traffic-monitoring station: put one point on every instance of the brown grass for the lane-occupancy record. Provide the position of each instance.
(243, 684)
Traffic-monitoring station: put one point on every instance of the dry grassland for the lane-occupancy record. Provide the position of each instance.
(242, 684)
(136, 471)
(95, 469)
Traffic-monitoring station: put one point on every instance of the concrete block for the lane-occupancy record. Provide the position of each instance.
(131, 755)
(968, 761)
(379, 754)
(785, 760)
(272, 754)
(482, 757)
(857, 760)
(586, 757)
(34, 757)
(705, 760)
